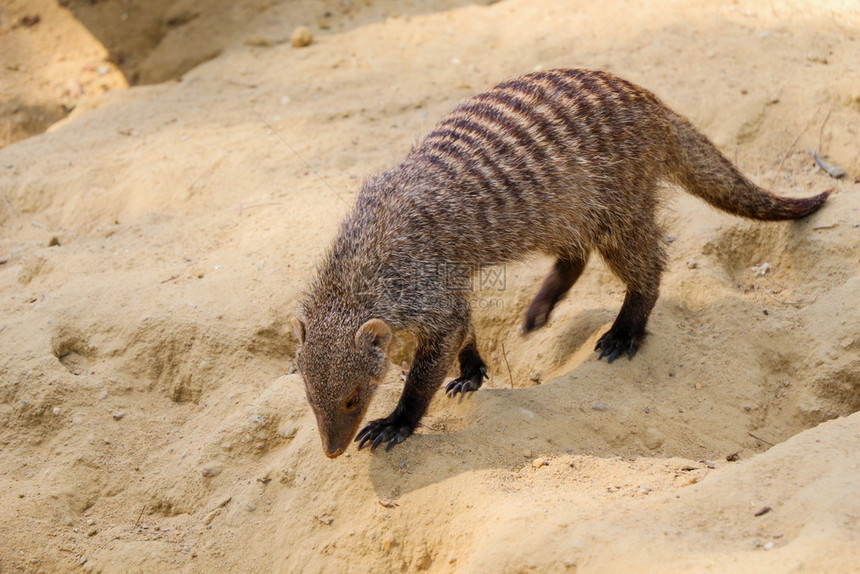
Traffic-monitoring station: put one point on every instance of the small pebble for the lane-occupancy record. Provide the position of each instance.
(600, 406)
(768, 546)
(209, 472)
(302, 36)
(535, 375)
(539, 462)
(692, 264)
(763, 511)
(653, 438)
(118, 416)
(287, 430)
(257, 41)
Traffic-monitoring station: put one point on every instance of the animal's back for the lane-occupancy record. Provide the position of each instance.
(561, 161)
(541, 162)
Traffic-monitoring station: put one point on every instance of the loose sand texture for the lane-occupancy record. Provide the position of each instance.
(154, 242)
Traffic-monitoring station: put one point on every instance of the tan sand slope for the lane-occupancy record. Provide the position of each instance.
(152, 247)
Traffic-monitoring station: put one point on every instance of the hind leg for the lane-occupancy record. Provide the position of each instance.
(564, 274)
(628, 331)
(639, 261)
(473, 369)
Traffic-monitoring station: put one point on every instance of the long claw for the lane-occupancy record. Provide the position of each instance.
(361, 433)
(458, 386)
(612, 346)
(367, 436)
(376, 442)
(393, 442)
(484, 373)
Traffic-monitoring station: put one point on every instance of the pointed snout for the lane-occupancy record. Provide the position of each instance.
(335, 446)
(336, 440)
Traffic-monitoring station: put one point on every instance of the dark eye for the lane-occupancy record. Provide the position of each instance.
(351, 402)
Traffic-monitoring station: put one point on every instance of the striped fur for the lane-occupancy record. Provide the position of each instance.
(562, 162)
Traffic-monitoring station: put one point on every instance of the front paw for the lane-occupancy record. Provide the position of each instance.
(470, 380)
(381, 430)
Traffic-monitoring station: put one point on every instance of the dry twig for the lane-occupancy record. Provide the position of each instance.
(760, 439)
(769, 294)
(510, 375)
(264, 204)
(139, 516)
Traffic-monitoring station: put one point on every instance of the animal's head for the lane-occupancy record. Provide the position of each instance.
(342, 368)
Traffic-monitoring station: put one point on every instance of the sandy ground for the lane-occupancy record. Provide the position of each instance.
(153, 243)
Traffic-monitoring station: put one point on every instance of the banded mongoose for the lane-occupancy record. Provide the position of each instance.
(562, 162)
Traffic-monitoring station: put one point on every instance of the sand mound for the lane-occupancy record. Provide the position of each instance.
(153, 245)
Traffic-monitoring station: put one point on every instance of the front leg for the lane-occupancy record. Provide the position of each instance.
(473, 369)
(433, 358)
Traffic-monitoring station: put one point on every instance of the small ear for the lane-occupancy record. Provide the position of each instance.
(299, 329)
(374, 333)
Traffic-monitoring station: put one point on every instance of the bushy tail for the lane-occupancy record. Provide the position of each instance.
(705, 172)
